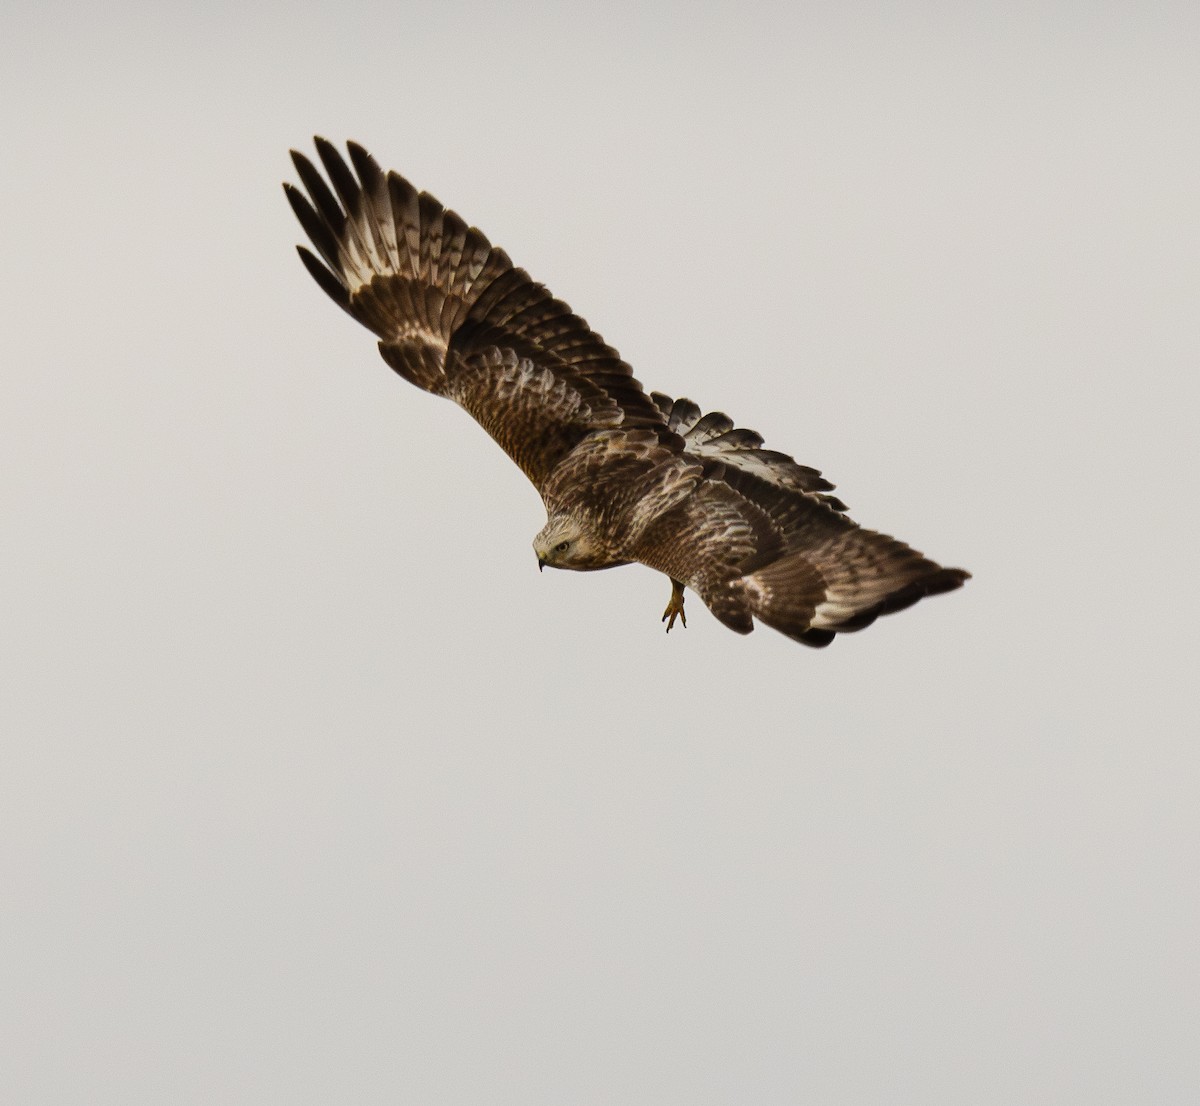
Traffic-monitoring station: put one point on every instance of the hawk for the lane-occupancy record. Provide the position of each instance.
(626, 476)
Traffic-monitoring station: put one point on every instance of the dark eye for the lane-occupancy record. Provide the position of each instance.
(562, 547)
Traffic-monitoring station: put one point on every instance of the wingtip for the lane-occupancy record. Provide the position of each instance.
(301, 163)
(954, 577)
(328, 280)
(367, 168)
(302, 208)
(328, 152)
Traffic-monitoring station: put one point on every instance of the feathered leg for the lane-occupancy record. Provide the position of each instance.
(675, 606)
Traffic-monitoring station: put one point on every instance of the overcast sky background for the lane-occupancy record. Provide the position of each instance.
(313, 790)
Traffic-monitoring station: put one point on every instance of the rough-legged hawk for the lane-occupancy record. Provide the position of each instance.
(625, 475)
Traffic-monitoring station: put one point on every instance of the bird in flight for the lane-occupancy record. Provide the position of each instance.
(626, 476)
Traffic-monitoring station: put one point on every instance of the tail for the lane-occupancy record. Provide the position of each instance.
(845, 585)
(393, 257)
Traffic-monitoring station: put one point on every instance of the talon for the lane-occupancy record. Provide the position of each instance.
(675, 607)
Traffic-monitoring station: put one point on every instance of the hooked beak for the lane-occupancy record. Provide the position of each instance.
(541, 564)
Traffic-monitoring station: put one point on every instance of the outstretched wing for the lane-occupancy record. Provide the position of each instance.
(456, 318)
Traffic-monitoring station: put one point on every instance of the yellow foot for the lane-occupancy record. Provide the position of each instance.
(675, 607)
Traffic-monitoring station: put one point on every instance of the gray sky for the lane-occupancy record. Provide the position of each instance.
(314, 790)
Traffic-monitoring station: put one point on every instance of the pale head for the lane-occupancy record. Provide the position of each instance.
(565, 543)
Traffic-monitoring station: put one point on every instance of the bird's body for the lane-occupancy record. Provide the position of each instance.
(626, 476)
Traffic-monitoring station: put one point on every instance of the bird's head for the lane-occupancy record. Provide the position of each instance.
(565, 543)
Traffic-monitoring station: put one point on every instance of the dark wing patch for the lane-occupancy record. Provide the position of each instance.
(444, 302)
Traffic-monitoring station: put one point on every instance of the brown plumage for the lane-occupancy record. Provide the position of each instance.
(625, 476)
